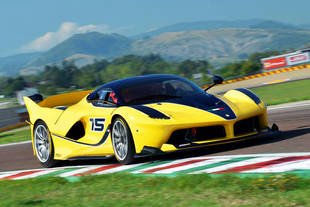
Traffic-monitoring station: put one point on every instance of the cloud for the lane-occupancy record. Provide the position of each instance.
(152, 29)
(66, 30)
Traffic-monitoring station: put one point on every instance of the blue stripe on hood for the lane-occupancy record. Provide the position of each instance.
(206, 102)
(203, 101)
(153, 113)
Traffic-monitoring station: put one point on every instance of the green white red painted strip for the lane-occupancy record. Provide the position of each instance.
(34, 174)
(21, 174)
(236, 162)
(245, 164)
(166, 164)
(291, 166)
(78, 171)
(173, 166)
(120, 168)
(263, 164)
(3, 176)
(99, 169)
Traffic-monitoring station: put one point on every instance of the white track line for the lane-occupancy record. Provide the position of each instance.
(286, 107)
(289, 154)
(236, 164)
(15, 143)
(290, 105)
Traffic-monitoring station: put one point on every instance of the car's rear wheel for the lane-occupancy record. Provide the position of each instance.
(122, 141)
(43, 145)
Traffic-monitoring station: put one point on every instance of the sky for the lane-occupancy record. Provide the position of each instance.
(37, 25)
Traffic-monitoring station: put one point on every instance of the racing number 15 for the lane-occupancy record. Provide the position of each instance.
(97, 124)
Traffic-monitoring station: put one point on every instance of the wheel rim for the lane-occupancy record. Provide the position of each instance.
(42, 143)
(120, 140)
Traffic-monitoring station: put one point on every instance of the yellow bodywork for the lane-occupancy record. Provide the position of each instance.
(146, 131)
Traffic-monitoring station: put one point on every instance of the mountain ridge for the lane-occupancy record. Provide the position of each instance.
(105, 45)
(216, 41)
(216, 24)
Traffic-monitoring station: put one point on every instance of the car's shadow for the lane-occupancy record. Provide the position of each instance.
(208, 150)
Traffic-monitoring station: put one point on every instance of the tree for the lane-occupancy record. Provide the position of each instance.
(249, 67)
(14, 85)
(190, 67)
(256, 57)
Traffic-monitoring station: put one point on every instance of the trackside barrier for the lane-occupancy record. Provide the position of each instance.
(283, 70)
(273, 72)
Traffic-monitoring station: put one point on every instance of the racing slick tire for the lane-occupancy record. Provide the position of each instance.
(43, 144)
(122, 141)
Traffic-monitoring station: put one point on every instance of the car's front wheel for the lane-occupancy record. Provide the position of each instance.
(122, 141)
(43, 144)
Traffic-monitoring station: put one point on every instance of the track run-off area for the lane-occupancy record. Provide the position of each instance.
(285, 152)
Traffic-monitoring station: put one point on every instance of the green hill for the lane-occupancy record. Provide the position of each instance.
(11, 65)
(226, 44)
(102, 45)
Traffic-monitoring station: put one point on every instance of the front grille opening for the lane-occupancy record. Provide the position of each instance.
(184, 136)
(246, 126)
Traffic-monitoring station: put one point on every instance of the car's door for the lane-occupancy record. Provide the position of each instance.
(88, 121)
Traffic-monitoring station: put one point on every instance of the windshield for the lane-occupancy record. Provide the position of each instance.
(157, 90)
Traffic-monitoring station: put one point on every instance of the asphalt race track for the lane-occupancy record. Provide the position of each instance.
(293, 120)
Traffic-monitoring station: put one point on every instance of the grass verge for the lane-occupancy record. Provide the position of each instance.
(284, 92)
(16, 135)
(133, 190)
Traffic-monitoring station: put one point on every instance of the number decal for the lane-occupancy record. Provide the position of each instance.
(97, 124)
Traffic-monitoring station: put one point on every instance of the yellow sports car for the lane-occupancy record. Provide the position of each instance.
(140, 116)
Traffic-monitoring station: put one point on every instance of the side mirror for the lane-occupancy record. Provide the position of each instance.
(217, 79)
(92, 97)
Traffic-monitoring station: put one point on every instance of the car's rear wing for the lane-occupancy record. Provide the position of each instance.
(66, 99)
(38, 107)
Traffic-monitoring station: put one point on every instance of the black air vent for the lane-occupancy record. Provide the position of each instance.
(184, 136)
(246, 126)
(77, 131)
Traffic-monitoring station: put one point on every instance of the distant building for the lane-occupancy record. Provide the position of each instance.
(197, 75)
(25, 92)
